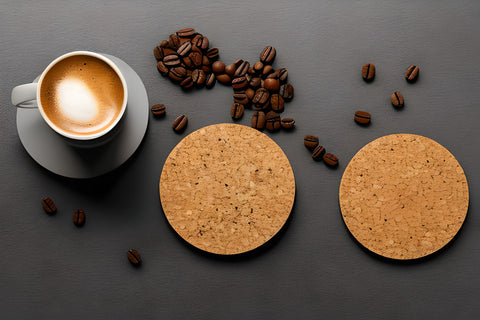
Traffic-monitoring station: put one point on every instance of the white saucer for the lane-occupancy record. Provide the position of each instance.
(54, 153)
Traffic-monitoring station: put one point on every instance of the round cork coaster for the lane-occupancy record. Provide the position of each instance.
(404, 196)
(227, 188)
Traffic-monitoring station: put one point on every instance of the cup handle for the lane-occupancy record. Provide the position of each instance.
(24, 96)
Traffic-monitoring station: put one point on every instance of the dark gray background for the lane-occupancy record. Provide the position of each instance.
(313, 269)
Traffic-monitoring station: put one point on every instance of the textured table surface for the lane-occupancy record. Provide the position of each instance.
(313, 268)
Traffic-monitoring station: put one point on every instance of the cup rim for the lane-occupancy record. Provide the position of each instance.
(83, 136)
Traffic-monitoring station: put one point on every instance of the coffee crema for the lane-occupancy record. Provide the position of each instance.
(82, 95)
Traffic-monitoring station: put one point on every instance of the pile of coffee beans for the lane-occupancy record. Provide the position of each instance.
(318, 152)
(187, 59)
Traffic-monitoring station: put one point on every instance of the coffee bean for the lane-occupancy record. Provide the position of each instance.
(266, 71)
(134, 257)
(180, 123)
(158, 53)
(79, 217)
(224, 78)
(330, 159)
(204, 45)
(212, 53)
(159, 110)
(187, 82)
(258, 120)
(276, 103)
(239, 83)
(282, 75)
(196, 58)
(412, 73)
(318, 153)
(273, 75)
(242, 69)
(258, 67)
(287, 123)
(164, 44)
(174, 41)
(230, 69)
(218, 67)
(255, 82)
(206, 69)
(362, 117)
(368, 72)
(186, 32)
(188, 62)
(261, 97)
(177, 74)
(206, 61)
(241, 97)
(251, 71)
(272, 121)
(268, 55)
(286, 91)
(49, 206)
(172, 60)
(272, 85)
(311, 142)
(162, 68)
(184, 49)
(250, 93)
(397, 99)
(211, 80)
(198, 77)
(237, 111)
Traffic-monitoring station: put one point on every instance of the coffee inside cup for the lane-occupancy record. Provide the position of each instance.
(82, 95)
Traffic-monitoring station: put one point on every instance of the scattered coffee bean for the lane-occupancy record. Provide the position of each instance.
(272, 121)
(282, 75)
(171, 60)
(162, 68)
(250, 93)
(186, 32)
(239, 83)
(286, 91)
(276, 103)
(187, 82)
(134, 257)
(196, 58)
(258, 120)
(174, 41)
(177, 74)
(261, 97)
(412, 73)
(198, 77)
(318, 153)
(224, 78)
(330, 160)
(362, 117)
(158, 53)
(241, 97)
(242, 69)
(237, 111)
(184, 49)
(368, 72)
(397, 99)
(255, 82)
(258, 67)
(212, 54)
(79, 217)
(268, 69)
(49, 206)
(310, 141)
(287, 123)
(230, 69)
(268, 55)
(180, 123)
(218, 67)
(158, 110)
(271, 84)
(210, 81)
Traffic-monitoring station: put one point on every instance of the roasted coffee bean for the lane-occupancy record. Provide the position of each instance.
(199, 77)
(196, 58)
(250, 93)
(134, 257)
(255, 83)
(164, 44)
(272, 121)
(258, 67)
(158, 53)
(241, 97)
(188, 62)
(180, 123)
(210, 81)
(248, 77)
(174, 41)
(184, 49)
(286, 91)
(177, 74)
(197, 49)
(186, 32)
(224, 78)
(206, 61)
(162, 68)
(318, 153)
(282, 75)
(258, 120)
(266, 71)
(159, 110)
(239, 83)
(187, 82)
(251, 71)
(206, 69)
(362, 117)
(212, 53)
(79, 217)
(311, 142)
(242, 69)
(273, 75)
(204, 45)
(330, 159)
(230, 69)
(48, 205)
(172, 60)
(272, 85)
(237, 111)
(287, 123)
(368, 72)
(261, 97)
(276, 103)
(397, 99)
(268, 55)
(218, 67)
(412, 73)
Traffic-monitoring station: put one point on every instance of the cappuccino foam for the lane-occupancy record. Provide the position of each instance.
(82, 95)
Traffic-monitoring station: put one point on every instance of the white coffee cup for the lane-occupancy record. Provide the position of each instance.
(81, 95)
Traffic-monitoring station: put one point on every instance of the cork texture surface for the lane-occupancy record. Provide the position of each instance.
(403, 196)
(227, 188)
